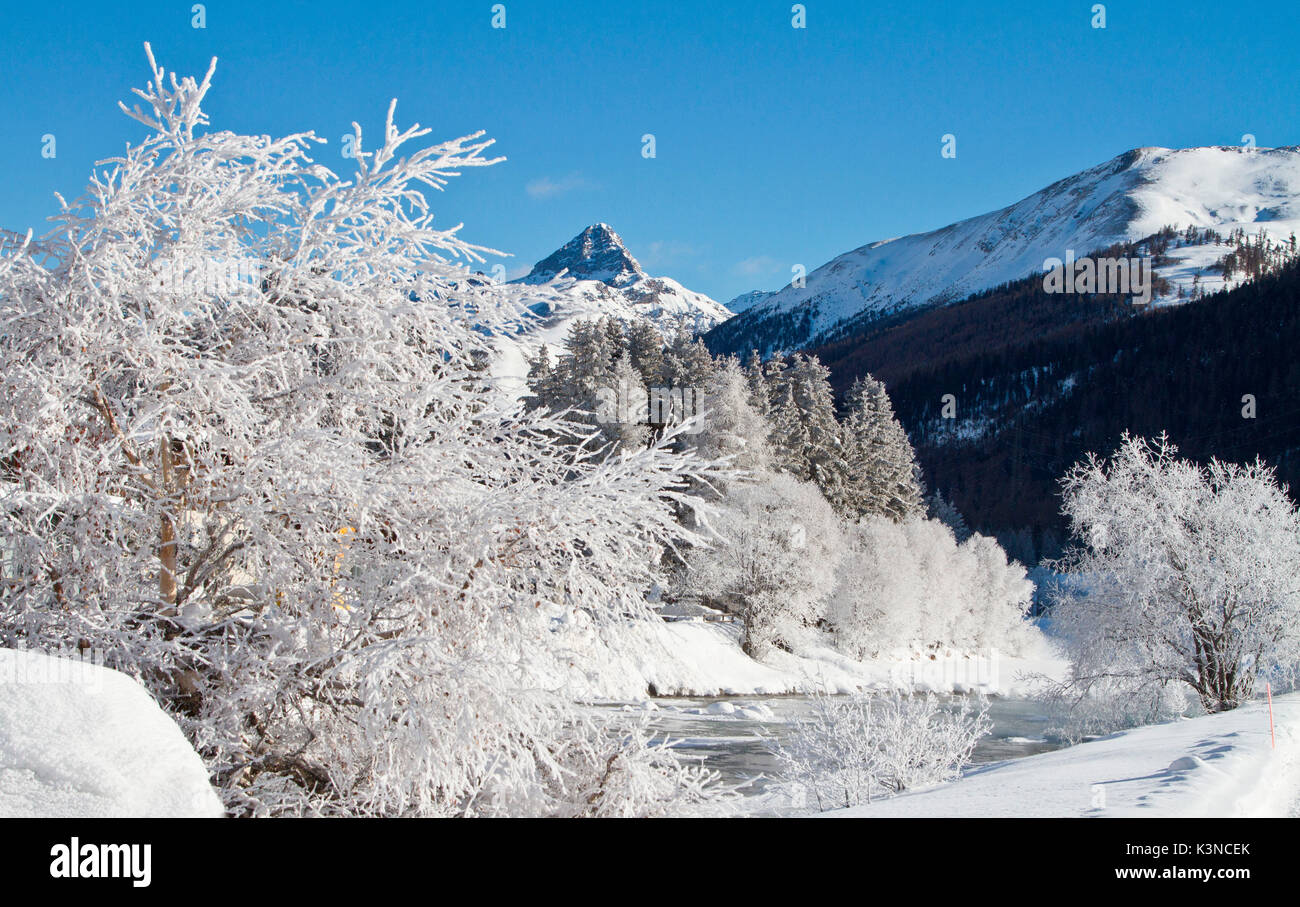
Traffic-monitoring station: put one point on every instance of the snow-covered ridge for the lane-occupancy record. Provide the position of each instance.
(746, 301)
(1125, 199)
(591, 276)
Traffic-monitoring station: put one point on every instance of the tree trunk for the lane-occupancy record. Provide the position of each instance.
(167, 527)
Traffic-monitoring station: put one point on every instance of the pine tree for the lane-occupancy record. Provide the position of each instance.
(646, 347)
(881, 465)
(588, 367)
(541, 380)
(758, 393)
(688, 362)
(823, 446)
(731, 426)
(788, 435)
(628, 426)
(615, 337)
(941, 509)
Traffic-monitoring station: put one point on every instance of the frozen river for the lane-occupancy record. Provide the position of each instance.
(729, 735)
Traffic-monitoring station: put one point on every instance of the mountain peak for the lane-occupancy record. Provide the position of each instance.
(597, 253)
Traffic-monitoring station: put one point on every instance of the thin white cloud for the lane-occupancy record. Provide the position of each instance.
(758, 266)
(545, 187)
(664, 253)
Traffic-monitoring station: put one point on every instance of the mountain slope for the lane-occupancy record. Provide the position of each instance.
(1127, 198)
(747, 300)
(1031, 397)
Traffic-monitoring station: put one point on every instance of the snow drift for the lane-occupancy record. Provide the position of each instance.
(80, 740)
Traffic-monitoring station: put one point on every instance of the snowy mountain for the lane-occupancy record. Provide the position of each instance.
(597, 253)
(591, 276)
(746, 301)
(1125, 199)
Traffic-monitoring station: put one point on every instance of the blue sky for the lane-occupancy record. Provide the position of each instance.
(774, 145)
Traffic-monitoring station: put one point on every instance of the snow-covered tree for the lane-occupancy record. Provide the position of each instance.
(788, 436)
(1188, 575)
(645, 345)
(940, 508)
(587, 366)
(815, 403)
(911, 586)
(880, 463)
(759, 397)
(774, 563)
(541, 380)
(247, 454)
(730, 426)
(623, 408)
(805, 436)
(687, 362)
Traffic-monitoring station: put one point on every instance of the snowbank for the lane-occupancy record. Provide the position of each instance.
(80, 740)
(1213, 766)
(698, 658)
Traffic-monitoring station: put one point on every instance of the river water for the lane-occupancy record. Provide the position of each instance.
(732, 736)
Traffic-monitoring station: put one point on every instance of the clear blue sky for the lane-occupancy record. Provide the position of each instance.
(775, 145)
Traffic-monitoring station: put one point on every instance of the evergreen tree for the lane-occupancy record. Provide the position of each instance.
(823, 451)
(615, 337)
(758, 393)
(588, 367)
(787, 435)
(881, 465)
(541, 380)
(941, 509)
(626, 421)
(688, 362)
(731, 426)
(646, 347)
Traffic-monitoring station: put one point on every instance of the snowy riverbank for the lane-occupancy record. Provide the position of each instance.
(704, 659)
(1212, 766)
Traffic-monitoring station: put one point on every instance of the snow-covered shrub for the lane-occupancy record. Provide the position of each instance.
(625, 772)
(847, 749)
(285, 500)
(1107, 706)
(911, 585)
(774, 563)
(1186, 578)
